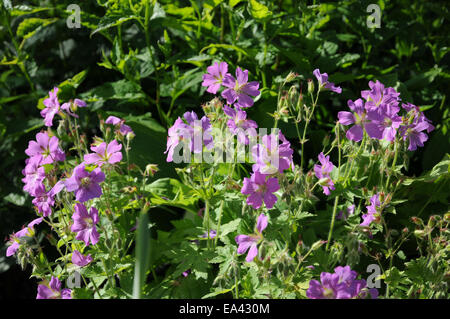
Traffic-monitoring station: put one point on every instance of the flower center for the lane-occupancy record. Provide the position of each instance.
(85, 181)
(89, 222)
(328, 293)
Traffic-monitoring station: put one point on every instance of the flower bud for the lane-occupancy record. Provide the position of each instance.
(310, 86)
(151, 169)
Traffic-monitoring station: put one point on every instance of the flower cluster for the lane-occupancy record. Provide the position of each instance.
(377, 114)
(194, 133)
(42, 183)
(342, 284)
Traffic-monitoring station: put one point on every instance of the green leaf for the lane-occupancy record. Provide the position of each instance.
(112, 21)
(16, 199)
(142, 254)
(259, 11)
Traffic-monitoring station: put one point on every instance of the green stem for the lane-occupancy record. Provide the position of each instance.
(333, 218)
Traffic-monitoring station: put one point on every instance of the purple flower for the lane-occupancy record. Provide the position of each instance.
(25, 232)
(85, 184)
(384, 120)
(52, 107)
(270, 156)
(45, 149)
(123, 129)
(329, 287)
(212, 234)
(238, 124)
(34, 174)
(53, 290)
(323, 81)
(239, 89)
(43, 200)
(260, 189)
(323, 171)
(68, 107)
(213, 79)
(414, 133)
(195, 134)
(84, 224)
(250, 243)
(79, 259)
(379, 95)
(342, 284)
(359, 118)
(372, 211)
(104, 154)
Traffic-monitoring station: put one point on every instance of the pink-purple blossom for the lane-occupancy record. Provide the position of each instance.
(81, 260)
(238, 124)
(24, 232)
(70, 106)
(342, 284)
(213, 79)
(84, 224)
(250, 242)
(194, 133)
(53, 290)
(323, 171)
(34, 174)
(51, 107)
(85, 184)
(261, 189)
(104, 154)
(45, 149)
(239, 91)
(373, 210)
(123, 128)
(43, 200)
(271, 156)
(322, 78)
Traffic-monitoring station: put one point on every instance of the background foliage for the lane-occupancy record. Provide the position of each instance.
(143, 61)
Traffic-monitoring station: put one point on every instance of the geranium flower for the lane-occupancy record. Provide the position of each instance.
(250, 243)
(45, 149)
(189, 133)
(123, 128)
(34, 174)
(359, 118)
(213, 79)
(414, 133)
(53, 290)
(260, 189)
(379, 95)
(322, 78)
(85, 184)
(323, 171)
(80, 260)
(104, 153)
(342, 284)
(239, 89)
(372, 211)
(386, 121)
(238, 124)
(68, 107)
(270, 156)
(84, 224)
(43, 200)
(51, 107)
(15, 238)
